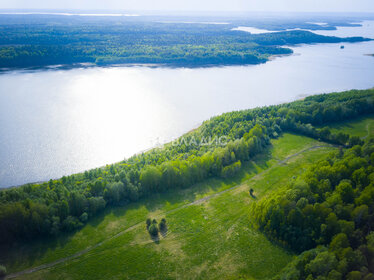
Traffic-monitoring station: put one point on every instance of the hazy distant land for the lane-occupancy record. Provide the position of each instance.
(36, 40)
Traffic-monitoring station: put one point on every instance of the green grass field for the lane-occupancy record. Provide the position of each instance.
(209, 234)
(361, 127)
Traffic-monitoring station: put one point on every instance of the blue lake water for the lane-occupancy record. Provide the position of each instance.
(58, 122)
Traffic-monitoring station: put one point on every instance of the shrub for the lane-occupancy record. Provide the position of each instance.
(84, 217)
(231, 170)
(148, 223)
(2, 271)
(71, 223)
(353, 275)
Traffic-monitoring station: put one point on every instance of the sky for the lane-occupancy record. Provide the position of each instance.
(197, 5)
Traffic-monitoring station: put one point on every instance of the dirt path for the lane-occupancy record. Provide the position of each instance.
(199, 201)
(368, 131)
(303, 151)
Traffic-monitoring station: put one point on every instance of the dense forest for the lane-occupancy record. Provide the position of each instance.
(63, 205)
(329, 214)
(48, 40)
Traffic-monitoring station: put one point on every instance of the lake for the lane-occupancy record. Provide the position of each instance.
(59, 122)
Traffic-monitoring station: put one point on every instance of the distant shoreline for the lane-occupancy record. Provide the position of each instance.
(149, 65)
(275, 56)
(175, 65)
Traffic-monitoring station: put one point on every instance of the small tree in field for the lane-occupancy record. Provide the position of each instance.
(153, 230)
(251, 192)
(148, 223)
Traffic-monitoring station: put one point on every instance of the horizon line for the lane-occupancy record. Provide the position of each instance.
(120, 11)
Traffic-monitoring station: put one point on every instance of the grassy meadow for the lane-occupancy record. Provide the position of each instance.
(209, 234)
(362, 126)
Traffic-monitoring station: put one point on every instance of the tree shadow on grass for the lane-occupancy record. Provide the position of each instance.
(164, 231)
(26, 253)
(155, 238)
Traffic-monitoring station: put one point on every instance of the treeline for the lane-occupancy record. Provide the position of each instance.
(63, 205)
(66, 204)
(104, 41)
(300, 37)
(331, 208)
(34, 55)
(305, 116)
(38, 55)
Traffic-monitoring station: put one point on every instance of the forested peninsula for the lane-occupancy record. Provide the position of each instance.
(44, 41)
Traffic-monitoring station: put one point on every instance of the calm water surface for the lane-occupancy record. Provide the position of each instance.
(57, 122)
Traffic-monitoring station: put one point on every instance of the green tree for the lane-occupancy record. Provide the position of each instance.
(334, 275)
(96, 204)
(339, 243)
(98, 187)
(354, 275)
(346, 191)
(322, 264)
(150, 179)
(148, 223)
(354, 140)
(2, 271)
(84, 217)
(153, 230)
(251, 192)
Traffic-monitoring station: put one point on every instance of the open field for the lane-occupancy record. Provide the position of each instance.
(172, 145)
(208, 229)
(361, 127)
